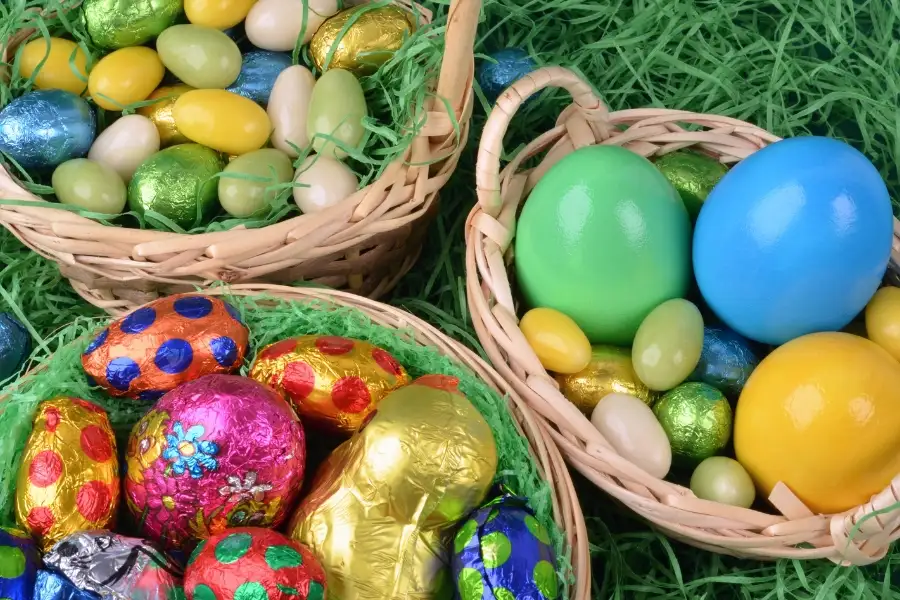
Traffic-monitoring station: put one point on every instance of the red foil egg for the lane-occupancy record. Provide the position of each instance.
(164, 344)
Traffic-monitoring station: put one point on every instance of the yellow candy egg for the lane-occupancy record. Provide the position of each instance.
(557, 340)
(222, 120)
(65, 67)
(219, 14)
(822, 415)
(883, 320)
(124, 77)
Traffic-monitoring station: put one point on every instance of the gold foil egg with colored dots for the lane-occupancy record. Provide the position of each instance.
(164, 344)
(332, 382)
(69, 475)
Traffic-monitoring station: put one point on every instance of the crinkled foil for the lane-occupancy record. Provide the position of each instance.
(115, 566)
(15, 345)
(333, 382)
(373, 38)
(694, 175)
(381, 513)
(276, 568)
(507, 67)
(116, 24)
(164, 344)
(697, 420)
(609, 372)
(217, 452)
(726, 361)
(53, 586)
(69, 475)
(503, 550)
(19, 563)
(161, 114)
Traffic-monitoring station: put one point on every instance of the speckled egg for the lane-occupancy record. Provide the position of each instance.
(164, 344)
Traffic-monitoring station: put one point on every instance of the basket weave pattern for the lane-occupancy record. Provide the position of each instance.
(364, 243)
(859, 536)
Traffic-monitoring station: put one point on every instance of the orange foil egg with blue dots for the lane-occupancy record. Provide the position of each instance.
(166, 343)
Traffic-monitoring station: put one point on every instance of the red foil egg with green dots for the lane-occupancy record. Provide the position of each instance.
(159, 346)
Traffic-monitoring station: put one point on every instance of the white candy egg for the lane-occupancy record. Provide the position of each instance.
(326, 181)
(630, 426)
(126, 144)
(276, 24)
(288, 107)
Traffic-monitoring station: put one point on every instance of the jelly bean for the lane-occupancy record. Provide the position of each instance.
(558, 342)
(324, 182)
(218, 14)
(668, 344)
(243, 197)
(65, 67)
(722, 479)
(124, 77)
(126, 144)
(630, 426)
(199, 56)
(89, 185)
(336, 110)
(288, 108)
(277, 24)
(221, 120)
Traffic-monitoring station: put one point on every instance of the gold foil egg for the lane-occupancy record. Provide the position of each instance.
(609, 372)
(381, 512)
(69, 475)
(332, 382)
(372, 39)
(161, 113)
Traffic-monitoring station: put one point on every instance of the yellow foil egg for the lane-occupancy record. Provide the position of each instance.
(883, 320)
(219, 14)
(161, 113)
(557, 340)
(65, 67)
(124, 77)
(222, 120)
(610, 371)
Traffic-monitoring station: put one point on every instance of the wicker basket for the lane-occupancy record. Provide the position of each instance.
(364, 244)
(796, 532)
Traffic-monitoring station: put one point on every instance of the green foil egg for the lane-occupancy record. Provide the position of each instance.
(178, 183)
(114, 24)
(693, 175)
(697, 420)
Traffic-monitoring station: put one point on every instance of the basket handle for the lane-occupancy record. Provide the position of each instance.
(487, 170)
(458, 65)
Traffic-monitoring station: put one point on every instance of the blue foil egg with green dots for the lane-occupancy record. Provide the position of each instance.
(15, 346)
(19, 564)
(502, 552)
(502, 69)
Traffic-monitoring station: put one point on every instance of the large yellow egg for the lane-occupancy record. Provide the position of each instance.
(124, 77)
(883, 319)
(822, 414)
(222, 120)
(219, 14)
(65, 67)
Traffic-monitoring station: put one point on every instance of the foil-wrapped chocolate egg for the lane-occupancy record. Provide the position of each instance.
(165, 343)
(69, 475)
(361, 38)
(50, 585)
(254, 563)
(217, 452)
(19, 562)
(15, 346)
(333, 382)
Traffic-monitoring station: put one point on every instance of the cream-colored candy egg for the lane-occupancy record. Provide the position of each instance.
(630, 426)
(276, 24)
(325, 182)
(288, 107)
(126, 144)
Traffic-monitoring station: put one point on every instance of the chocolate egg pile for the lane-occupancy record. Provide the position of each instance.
(215, 462)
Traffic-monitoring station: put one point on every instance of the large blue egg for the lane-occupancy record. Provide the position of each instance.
(19, 562)
(259, 71)
(506, 67)
(794, 239)
(44, 129)
(726, 361)
(15, 345)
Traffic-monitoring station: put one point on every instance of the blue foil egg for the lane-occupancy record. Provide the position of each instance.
(507, 67)
(53, 586)
(726, 361)
(15, 346)
(502, 552)
(258, 73)
(794, 239)
(19, 562)
(44, 129)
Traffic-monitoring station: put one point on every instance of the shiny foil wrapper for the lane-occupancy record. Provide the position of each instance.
(170, 341)
(178, 183)
(373, 38)
(726, 361)
(693, 175)
(19, 563)
(53, 586)
(259, 70)
(239, 561)
(504, 69)
(161, 114)
(697, 419)
(609, 372)
(15, 346)
(114, 24)
(115, 566)
(69, 475)
(217, 452)
(333, 382)
(502, 551)
(383, 507)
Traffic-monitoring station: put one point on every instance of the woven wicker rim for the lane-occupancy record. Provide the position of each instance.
(340, 246)
(845, 538)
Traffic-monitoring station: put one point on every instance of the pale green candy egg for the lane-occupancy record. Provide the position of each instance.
(724, 480)
(89, 185)
(241, 193)
(336, 109)
(668, 344)
(201, 57)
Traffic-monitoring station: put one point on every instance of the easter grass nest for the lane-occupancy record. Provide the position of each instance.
(397, 96)
(270, 320)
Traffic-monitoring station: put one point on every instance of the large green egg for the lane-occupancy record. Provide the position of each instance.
(603, 238)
